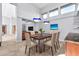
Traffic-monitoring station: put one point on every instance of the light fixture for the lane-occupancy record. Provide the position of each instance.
(37, 19)
(46, 22)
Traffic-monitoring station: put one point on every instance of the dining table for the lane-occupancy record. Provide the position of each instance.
(40, 38)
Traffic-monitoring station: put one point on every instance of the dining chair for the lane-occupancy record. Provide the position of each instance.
(32, 32)
(29, 44)
(53, 42)
(36, 32)
(47, 39)
(57, 44)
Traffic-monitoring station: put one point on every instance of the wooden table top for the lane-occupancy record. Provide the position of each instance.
(41, 37)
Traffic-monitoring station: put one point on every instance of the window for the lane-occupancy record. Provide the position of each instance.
(53, 13)
(45, 16)
(78, 8)
(67, 8)
(8, 10)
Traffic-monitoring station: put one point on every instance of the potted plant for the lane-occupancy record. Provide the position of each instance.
(41, 30)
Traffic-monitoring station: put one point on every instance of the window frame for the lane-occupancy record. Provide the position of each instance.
(45, 14)
(77, 7)
(65, 6)
(51, 11)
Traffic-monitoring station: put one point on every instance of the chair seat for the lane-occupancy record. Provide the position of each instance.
(48, 43)
(35, 41)
(32, 44)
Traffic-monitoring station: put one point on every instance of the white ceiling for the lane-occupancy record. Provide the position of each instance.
(37, 5)
(40, 5)
(44, 5)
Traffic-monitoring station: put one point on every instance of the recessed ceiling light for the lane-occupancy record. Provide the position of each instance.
(46, 23)
(37, 20)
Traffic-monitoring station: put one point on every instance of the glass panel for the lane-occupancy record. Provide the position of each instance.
(78, 7)
(45, 16)
(67, 9)
(53, 13)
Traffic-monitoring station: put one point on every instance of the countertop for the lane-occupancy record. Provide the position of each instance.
(72, 37)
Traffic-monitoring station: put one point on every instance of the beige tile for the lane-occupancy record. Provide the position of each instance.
(11, 48)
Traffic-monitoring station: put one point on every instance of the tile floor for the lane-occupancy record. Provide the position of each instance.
(12, 48)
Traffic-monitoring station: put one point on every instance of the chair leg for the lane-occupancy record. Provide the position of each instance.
(55, 47)
(25, 49)
(44, 48)
(29, 51)
(52, 51)
(58, 44)
(36, 48)
(46, 39)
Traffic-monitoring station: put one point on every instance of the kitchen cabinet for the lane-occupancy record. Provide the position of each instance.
(72, 44)
(72, 49)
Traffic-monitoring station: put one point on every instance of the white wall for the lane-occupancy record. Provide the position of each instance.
(76, 23)
(19, 30)
(27, 25)
(51, 6)
(35, 25)
(8, 10)
(65, 26)
(26, 10)
(65, 22)
(9, 16)
(0, 22)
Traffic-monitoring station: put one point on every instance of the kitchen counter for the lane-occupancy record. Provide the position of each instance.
(73, 37)
(72, 44)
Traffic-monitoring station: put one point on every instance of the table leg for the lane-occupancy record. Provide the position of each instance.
(0, 43)
(40, 46)
(44, 48)
(36, 48)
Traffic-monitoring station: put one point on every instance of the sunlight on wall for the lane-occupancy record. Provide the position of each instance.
(8, 16)
(8, 19)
